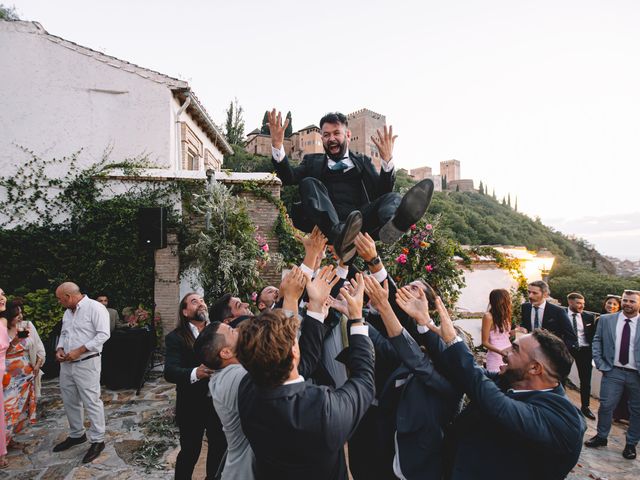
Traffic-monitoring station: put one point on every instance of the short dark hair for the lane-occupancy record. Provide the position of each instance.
(221, 308)
(334, 117)
(264, 347)
(260, 295)
(556, 352)
(208, 345)
(102, 294)
(575, 296)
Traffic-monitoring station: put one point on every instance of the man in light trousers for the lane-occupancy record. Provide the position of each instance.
(85, 328)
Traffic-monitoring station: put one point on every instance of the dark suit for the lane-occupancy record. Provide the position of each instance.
(555, 320)
(298, 431)
(583, 355)
(416, 412)
(368, 191)
(527, 435)
(194, 410)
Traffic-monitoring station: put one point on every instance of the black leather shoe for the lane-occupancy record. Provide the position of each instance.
(629, 452)
(344, 243)
(413, 206)
(586, 411)
(94, 452)
(69, 442)
(596, 442)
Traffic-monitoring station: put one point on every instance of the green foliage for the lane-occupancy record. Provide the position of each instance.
(403, 182)
(234, 125)
(42, 308)
(289, 130)
(568, 277)
(160, 433)
(8, 13)
(243, 161)
(264, 129)
(226, 252)
(424, 252)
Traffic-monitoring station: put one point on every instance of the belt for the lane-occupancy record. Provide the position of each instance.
(86, 358)
(626, 369)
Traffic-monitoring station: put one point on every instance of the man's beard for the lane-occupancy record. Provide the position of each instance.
(511, 376)
(341, 152)
(201, 316)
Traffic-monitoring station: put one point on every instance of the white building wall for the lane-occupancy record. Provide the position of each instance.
(56, 101)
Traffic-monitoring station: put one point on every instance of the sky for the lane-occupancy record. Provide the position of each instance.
(537, 99)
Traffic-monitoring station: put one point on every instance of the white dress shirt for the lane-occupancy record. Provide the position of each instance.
(619, 326)
(87, 325)
(279, 154)
(540, 314)
(196, 334)
(582, 338)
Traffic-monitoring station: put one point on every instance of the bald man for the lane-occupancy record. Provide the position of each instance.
(85, 328)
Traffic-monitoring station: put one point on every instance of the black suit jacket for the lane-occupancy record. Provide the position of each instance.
(545, 426)
(375, 184)
(588, 322)
(298, 431)
(427, 403)
(554, 319)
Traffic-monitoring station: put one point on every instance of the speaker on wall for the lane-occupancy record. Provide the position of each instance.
(152, 227)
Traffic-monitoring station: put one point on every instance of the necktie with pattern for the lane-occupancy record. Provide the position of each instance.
(536, 318)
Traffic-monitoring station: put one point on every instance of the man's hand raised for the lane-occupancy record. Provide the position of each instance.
(354, 297)
(314, 245)
(414, 305)
(276, 128)
(384, 142)
(320, 287)
(291, 288)
(378, 294)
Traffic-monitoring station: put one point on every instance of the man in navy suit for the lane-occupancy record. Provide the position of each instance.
(523, 405)
(538, 313)
(342, 192)
(616, 353)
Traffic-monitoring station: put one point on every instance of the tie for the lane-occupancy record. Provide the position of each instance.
(624, 342)
(536, 319)
(339, 166)
(575, 323)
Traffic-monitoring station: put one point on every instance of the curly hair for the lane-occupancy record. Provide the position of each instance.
(264, 347)
(556, 352)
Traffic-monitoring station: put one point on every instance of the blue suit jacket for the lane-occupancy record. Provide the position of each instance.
(604, 343)
(546, 428)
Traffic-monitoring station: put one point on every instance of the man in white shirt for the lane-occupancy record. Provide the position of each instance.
(85, 328)
(342, 192)
(616, 353)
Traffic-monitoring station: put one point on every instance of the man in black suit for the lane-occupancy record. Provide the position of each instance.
(342, 192)
(194, 410)
(584, 324)
(538, 313)
(524, 406)
(297, 429)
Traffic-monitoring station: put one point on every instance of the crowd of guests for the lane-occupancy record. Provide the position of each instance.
(340, 357)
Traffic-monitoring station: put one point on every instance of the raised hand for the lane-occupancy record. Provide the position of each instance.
(378, 294)
(314, 246)
(446, 331)
(276, 128)
(320, 287)
(354, 297)
(366, 247)
(292, 287)
(340, 304)
(384, 142)
(414, 304)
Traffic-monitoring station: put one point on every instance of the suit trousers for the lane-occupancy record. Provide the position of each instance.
(613, 383)
(194, 416)
(319, 209)
(80, 387)
(583, 358)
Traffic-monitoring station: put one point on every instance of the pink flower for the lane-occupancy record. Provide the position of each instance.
(402, 258)
(429, 226)
(254, 296)
(413, 227)
(428, 268)
(265, 247)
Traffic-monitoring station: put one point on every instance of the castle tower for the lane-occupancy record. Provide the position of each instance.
(450, 169)
(363, 124)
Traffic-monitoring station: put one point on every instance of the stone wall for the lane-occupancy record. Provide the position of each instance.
(167, 283)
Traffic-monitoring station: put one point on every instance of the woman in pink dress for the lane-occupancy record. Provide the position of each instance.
(4, 345)
(496, 328)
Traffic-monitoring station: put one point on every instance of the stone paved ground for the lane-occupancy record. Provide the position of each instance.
(127, 413)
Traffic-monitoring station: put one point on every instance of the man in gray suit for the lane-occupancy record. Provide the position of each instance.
(616, 353)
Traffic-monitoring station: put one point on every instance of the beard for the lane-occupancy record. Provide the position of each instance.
(201, 316)
(511, 376)
(341, 152)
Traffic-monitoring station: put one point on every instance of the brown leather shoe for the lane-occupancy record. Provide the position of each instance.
(94, 452)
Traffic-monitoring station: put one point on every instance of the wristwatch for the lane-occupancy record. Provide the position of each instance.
(457, 339)
(374, 261)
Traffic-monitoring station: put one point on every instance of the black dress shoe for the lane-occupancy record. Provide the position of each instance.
(69, 442)
(596, 442)
(586, 411)
(413, 206)
(344, 245)
(94, 452)
(629, 452)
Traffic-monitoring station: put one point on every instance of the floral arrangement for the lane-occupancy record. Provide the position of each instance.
(139, 317)
(423, 253)
(263, 251)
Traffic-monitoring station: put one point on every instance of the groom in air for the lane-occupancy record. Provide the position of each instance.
(342, 192)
